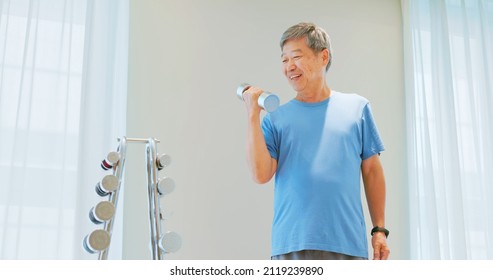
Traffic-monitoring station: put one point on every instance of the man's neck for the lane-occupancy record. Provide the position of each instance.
(314, 96)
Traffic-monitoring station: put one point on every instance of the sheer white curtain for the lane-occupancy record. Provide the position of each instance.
(63, 77)
(449, 89)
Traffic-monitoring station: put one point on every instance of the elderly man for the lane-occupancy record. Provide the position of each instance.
(318, 145)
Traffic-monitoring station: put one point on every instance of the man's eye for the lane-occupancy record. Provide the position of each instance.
(297, 57)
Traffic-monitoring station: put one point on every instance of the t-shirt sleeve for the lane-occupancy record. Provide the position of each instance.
(270, 137)
(372, 143)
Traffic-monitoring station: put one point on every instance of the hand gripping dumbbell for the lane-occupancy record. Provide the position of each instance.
(267, 100)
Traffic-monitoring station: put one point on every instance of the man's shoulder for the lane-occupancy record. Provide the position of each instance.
(350, 100)
(350, 97)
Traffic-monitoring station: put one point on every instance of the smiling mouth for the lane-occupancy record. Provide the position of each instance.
(294, 77)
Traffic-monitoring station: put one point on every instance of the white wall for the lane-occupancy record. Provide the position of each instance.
(187, 58)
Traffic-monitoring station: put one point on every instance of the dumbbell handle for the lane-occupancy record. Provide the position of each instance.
(267, 100)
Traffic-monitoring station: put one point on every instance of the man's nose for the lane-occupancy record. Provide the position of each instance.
(290, 65)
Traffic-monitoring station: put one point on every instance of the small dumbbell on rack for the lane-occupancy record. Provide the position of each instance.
(107, 185)
(96, 241)
(102, 212)
(110, 161)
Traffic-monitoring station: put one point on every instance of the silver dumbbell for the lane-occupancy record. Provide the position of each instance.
(102, 212)
(163, 161)
(165, 186)
(111, 160)
(96, 241)
(107, 185)
(267, 100)
(170, 242)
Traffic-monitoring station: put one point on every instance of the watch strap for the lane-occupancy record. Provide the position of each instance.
(380, 229)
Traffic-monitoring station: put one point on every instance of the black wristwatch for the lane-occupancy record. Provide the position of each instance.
(380, 229)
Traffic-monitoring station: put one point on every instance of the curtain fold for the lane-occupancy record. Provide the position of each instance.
(48, 52)
(104, 102)
(449, 97)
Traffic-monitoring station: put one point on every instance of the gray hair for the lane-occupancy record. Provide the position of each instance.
(316, 38)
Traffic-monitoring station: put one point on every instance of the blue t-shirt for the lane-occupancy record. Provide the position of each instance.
(319, 148)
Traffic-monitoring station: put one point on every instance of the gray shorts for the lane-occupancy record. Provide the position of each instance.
(315, 255)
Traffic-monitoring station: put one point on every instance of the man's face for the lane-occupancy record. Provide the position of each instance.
(304, 69)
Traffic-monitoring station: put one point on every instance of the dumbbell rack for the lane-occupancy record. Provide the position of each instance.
(98, 241)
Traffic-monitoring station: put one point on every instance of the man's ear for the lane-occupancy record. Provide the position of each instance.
(325, 56)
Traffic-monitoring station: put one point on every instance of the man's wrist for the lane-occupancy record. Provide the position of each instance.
(380, 229)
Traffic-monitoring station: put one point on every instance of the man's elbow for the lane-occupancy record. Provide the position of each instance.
(262, 172)
(262, 177)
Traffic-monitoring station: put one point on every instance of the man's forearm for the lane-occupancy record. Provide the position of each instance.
(375, 190)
